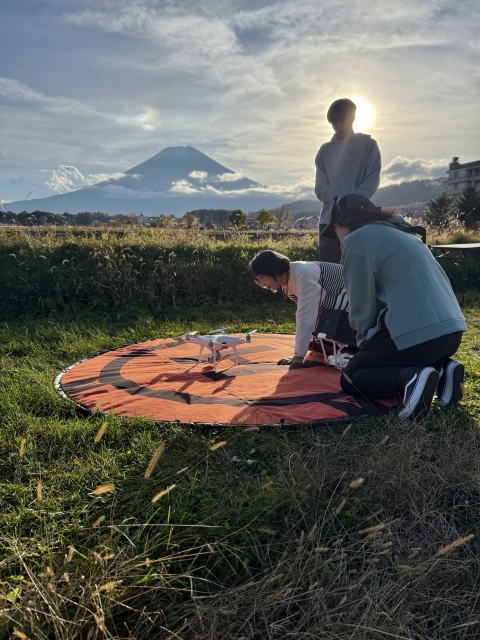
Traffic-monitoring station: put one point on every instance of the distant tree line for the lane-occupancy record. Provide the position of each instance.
(224, 218)
(82, 219)
(444, 209)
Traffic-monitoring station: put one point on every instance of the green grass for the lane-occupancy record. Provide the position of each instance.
(260, 539)
(45, 270)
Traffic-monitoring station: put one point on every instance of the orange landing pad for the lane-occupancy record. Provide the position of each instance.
(162, 380)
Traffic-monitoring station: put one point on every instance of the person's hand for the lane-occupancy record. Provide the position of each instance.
(293, 362)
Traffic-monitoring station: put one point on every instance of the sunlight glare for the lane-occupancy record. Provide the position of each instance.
(365, 115)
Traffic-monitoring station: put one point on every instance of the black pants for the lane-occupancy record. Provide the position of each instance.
(380, 370)
(328, 248)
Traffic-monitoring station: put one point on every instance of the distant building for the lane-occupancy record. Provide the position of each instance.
(462, 175)
(307, 222)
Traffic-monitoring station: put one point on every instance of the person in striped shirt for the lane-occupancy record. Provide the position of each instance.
(313, 286)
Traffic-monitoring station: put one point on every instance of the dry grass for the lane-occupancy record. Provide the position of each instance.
(311, 560)
(44, 269)
(115, 528)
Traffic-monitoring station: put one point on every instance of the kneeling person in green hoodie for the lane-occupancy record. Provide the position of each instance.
(408, 321)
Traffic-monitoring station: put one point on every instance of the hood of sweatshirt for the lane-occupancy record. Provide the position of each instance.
(349, 146)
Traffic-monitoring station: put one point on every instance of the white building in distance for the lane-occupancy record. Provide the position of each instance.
(462, 175)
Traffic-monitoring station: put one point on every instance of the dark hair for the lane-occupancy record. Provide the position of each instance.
(269, 263)
(340, 109)
(355, 217)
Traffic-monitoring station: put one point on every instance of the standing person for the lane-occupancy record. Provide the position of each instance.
(407, 318)
(349, 163)
(313, 286)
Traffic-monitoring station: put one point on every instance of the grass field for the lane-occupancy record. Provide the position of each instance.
(45, 270)
(360, 532)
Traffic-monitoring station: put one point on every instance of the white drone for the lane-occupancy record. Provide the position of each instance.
(217, 341)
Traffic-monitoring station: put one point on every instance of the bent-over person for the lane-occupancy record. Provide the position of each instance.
(313, 286)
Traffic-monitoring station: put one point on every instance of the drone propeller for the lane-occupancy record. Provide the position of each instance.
(248, 337)
(222, 330)
(190, 335)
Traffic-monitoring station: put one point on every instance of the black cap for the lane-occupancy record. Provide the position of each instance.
(350, 202)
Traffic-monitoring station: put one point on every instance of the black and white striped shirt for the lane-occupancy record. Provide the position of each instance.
(314, 286)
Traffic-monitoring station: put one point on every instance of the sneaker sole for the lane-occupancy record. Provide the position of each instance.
(453, 392)
(424, 390)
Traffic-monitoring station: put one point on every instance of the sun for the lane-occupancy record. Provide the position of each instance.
(365, 114)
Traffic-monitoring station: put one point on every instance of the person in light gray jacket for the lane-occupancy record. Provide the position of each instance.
(408, 321)
(313, 286)
(349, 163)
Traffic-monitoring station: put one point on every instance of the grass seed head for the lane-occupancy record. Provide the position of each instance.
(102, 558)
(268, 532)
(180, 471)
(98, 522)
(356, 483)
(39, 491)
(218, 445)
(21, 451)
(69, 555)
(100, 621)
(372, 530)
(163, 493)
(340, 506)
(101, 432)
(459, 542)
(108, 586)
(154, 459)
(374, 515)
(104, 488)
(19, 634)
(346, 430)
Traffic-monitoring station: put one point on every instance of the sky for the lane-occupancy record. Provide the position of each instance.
(91, 88)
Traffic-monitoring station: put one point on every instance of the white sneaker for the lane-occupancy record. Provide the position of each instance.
(419, 392)
(450, 385)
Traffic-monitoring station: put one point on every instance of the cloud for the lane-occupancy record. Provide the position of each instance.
(201, 176)
(14, 91)
(149, 120)
(229, 177)
(248, 83)
(169, 27)
(68, 178)
(401, 169)
(184, 186)
(303, 189)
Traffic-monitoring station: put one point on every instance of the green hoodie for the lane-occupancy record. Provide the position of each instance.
(391, 274)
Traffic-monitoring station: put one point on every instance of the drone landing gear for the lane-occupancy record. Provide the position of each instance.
(213, 360)
(339, 359)
(217, 355)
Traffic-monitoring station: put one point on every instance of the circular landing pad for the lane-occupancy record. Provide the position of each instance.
(162, 380)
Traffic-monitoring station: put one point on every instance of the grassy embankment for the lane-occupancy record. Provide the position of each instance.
(357, 532)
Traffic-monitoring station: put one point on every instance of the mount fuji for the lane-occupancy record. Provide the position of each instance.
(176, 180)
